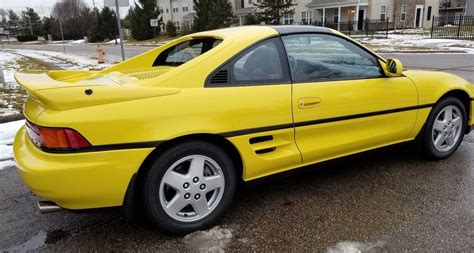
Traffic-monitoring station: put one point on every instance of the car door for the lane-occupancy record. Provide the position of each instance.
(254, 90)
(342, 101)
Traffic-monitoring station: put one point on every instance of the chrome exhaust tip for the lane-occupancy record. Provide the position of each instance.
(48, 207)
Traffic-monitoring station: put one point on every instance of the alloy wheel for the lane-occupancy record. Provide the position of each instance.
(191, 188)
(447, 128)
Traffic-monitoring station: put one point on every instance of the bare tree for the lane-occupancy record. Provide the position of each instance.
(76, 17)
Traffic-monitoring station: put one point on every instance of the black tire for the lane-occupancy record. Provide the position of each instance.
(152, 179)
(428, 146)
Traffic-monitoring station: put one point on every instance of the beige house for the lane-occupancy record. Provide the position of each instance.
(181, 12)
(404, 13)
(337, 13)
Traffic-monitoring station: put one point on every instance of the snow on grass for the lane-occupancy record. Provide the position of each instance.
(11, 95)
(8, 60)
(7, 134)
(417, 42)
(60, 60)
(215, 239)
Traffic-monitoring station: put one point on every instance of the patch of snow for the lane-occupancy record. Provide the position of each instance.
(113, 41)
(213, 240)
(60, 60)
(7, 61)
(357, 247)
(77, 42)
(7, 134)
(414, 40)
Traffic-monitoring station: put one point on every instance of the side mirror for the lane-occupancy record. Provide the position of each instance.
(393, 67)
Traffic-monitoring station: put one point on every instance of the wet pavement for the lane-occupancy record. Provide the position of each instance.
(385, 200)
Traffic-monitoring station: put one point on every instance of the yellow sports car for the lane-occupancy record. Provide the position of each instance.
(172, 131)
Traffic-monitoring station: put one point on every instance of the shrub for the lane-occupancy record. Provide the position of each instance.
(170, 29)
(26, 37)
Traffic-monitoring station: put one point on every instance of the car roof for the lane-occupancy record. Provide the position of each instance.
(262, 31)
(289, 29)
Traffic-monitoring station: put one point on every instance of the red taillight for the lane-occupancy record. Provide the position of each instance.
(56, 138)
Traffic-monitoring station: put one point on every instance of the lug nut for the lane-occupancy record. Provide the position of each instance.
(187, 196)
(186, 185)
(197, 196)
(202, 187)
(195, 179)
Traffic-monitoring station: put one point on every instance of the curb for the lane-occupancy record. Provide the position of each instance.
(422, 52)
(9, 118)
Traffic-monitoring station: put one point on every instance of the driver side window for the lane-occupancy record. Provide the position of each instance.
(323, 57)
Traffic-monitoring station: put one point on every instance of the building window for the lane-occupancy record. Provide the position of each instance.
(250, 1)
(185, 8)
(429, 14)
(288, 19)
(403, 13)
(178, 27)
(383, 12)
(336, 16)
(310, 17)
(304, 18)
(167, 10)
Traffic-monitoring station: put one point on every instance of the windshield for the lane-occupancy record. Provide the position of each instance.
(185, 51)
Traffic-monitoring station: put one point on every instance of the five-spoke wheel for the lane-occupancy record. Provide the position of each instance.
(189, 186)
(445, 128)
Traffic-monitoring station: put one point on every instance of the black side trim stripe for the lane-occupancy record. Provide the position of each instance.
(133, 145)
(321, 121)
(361, 115)
(256, 130)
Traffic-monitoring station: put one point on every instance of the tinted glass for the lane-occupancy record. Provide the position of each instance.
(184, 52)
(320, 57)
(261, 63)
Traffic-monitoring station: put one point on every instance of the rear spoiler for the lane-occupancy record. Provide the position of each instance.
(60, 95)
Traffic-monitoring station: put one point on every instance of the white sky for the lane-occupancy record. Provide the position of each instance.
(44, 7)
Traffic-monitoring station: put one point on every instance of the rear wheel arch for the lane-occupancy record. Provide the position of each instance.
(132, 199)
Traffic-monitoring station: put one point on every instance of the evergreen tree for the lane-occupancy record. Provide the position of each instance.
(105, 26)
(140, 15)
(30, 23)
(271, 11)
(13, 18)
(46, 28)
(212, 14)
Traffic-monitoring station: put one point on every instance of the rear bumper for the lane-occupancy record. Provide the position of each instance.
(77, 180)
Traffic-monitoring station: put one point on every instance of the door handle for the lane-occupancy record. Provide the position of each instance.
(309, 102)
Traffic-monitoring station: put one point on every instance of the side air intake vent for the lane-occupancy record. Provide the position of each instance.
(221, 77)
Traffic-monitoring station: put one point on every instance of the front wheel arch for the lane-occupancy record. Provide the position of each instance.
(463, 97)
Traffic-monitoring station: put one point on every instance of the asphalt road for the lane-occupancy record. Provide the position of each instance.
(386, 200)
(390, 197)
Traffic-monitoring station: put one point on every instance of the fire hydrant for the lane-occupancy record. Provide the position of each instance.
(100, 54)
